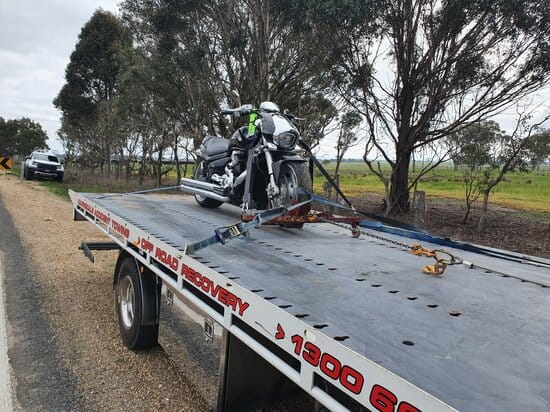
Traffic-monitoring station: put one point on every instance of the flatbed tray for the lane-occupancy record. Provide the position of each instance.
(476, 339)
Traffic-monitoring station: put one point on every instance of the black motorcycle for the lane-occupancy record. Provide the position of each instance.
(259, 167)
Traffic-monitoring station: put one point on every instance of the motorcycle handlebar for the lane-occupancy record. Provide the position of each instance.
(247, 109)
(291, 116)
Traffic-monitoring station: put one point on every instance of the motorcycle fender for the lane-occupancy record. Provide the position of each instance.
(288, 159)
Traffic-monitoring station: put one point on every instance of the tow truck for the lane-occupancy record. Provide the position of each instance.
(350, 322)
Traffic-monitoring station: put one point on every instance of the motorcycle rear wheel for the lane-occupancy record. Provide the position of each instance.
(203, 200)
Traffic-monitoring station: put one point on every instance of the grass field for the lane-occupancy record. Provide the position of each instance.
(526, 191)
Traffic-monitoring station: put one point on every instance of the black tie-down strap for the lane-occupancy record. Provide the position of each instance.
(330, 180)
(224, 233)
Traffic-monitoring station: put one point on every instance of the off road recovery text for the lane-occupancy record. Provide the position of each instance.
(218, 292)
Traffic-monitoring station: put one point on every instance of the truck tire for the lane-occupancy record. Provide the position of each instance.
(203, 200)
(128, 291)
(29, 174)
(59, 177)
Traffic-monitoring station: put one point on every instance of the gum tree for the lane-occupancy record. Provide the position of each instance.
(420, 70)
(86, 101)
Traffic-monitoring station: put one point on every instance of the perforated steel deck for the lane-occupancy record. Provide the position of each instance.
(478, 341)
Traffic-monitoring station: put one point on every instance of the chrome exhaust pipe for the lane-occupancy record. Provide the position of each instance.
(199, 184)
(205, 193)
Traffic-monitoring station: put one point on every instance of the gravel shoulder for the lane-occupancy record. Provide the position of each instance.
(75, 302)
(39, 379)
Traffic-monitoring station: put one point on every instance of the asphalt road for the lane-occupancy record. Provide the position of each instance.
(5, 379)
(38, 379)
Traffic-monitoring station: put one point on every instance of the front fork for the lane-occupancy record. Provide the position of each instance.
(272, 188)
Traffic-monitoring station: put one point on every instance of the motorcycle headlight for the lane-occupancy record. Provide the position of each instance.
(285, 140)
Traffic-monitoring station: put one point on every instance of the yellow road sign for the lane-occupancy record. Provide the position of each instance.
(6, 163)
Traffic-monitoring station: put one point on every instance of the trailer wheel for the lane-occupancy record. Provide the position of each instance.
(128, 305)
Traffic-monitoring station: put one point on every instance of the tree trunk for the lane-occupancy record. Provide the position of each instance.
(387, 206)
(337, 181)
(141, 172)
(159, 170)
(337, 168)
(108, 158)
(177, 160)
(483, 217)
(419, 203)
(263, 33)
(468, 210)
(128, 168)
(399, 190)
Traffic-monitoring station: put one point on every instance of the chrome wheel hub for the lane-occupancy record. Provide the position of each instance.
(126, 302)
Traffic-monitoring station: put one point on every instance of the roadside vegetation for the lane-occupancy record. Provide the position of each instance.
(519, 217)
(528, 191)
(404, 77)
(405, 80)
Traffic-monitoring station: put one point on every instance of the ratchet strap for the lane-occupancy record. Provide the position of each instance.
(225, 233)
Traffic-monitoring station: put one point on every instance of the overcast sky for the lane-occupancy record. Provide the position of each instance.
(37, 38)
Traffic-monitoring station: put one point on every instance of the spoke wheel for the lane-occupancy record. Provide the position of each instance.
(288, 187)
(292, 177)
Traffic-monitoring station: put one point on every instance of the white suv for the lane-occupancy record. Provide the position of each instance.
(43, 165)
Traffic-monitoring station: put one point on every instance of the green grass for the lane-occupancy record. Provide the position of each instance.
(91, 184)
(57, 188)
(521, 190)
(102, 186)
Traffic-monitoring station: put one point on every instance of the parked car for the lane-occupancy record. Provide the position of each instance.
(40, 164)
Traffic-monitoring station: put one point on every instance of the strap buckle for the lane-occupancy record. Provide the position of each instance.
(229, 232)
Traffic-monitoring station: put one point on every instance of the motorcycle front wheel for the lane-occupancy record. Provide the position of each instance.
(292, 177)
(203, 200)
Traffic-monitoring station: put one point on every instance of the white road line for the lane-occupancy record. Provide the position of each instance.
(5, 386)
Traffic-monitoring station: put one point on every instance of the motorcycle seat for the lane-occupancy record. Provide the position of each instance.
(216, 145)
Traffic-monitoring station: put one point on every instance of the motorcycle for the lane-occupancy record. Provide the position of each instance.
(259, 167)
